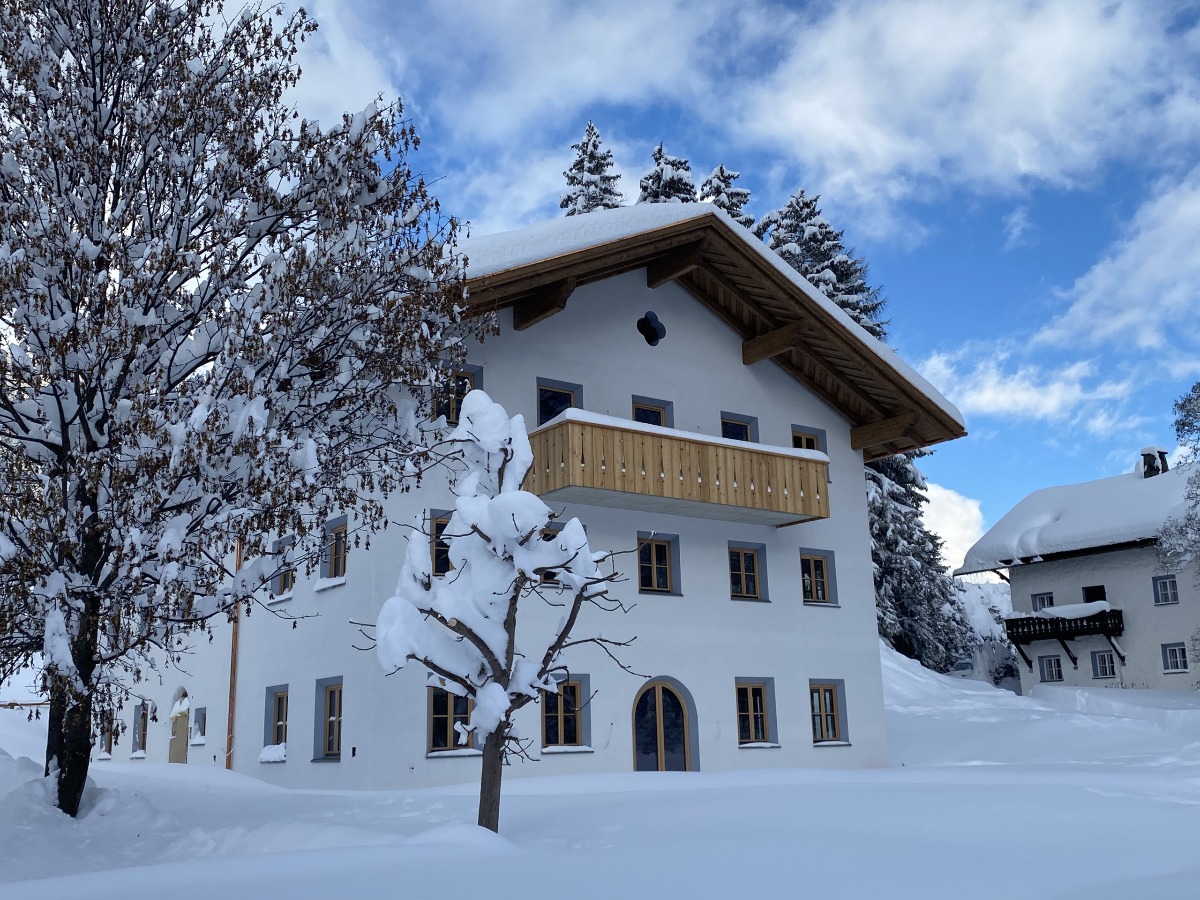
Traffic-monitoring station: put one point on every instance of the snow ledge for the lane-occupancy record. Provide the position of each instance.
(196, 742)
(760, 745)
(283, 598)
(138, 754)
(103, 757)
(569, 748)
(325, 584)
(457, 751)
(832, 744)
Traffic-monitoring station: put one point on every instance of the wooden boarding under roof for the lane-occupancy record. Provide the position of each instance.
(778, 319)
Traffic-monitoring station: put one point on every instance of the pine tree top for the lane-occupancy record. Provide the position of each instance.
(670, 181)
(718, 190)
(590, 184)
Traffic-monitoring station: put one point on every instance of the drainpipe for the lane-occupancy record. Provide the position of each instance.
(233, 664)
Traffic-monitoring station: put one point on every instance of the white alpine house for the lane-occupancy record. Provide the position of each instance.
(703, 412)
(1092, 604)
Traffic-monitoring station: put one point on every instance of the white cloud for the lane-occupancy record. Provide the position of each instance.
(956, 519)
(1017, 228)
(1145, 289)
(978, 382)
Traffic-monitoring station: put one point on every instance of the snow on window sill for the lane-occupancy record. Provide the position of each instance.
(284, 598)
(138, 754)
(273, 753)
(759, 745)
(1175, 671)
(103, 757)
(822, 603)
(568, 748)
(324, 584)
(831, 744)
(457, 751)
(196, 742)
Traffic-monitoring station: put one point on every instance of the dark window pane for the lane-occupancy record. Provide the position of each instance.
(743, 728)
(552, 731)
(570, 730)
(735, 431)
(660, 554)
(552, 402)
(743, 700)
(646, 577)
(570, 698)
(751, 586)
(645, 731)
(661, 580)
(441, 701)
(648, 415)
(751, 562)
(673, 727)
(735, 561)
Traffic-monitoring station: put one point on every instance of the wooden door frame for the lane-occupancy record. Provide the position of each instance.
(658, 685)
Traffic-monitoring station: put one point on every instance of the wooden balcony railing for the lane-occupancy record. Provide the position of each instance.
(1027, 629)
(662, 470)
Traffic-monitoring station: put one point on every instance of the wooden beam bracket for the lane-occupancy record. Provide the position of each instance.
(771, 344)
(674, 264)
(1074, 659)
(877, 433)
(1024, 656)
(542, 304)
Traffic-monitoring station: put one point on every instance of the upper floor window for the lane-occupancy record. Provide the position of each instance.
(462, 383)
(556, 397)
(738, 427)
(1042, 601)
(743, 573)
(333, 557)
(803, 440)
(654, 565)
(285, 581)
(1094, 593)
(1166, 590)
(814, 579)
(439, 546)
(1174, 658)
(650, 411)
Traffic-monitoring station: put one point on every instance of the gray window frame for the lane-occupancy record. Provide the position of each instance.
(1083, 592)
(319, 719)
(1158, 581)
(830, 576)
(269, 712)
(768, 684)
(667, 407)
(1096, 654)
(1042, 661)
(583, 716)
(761, 549)
(555, 385)
(327, 544)
(750, 421)
(843, 716)
(820, 434)
(1183, 650)
(1034, 598)
(676, 584)
(199, 716)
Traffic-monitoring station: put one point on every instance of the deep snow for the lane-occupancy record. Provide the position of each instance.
(1067, 794)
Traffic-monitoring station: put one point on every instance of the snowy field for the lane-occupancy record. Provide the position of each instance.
(1069, 794)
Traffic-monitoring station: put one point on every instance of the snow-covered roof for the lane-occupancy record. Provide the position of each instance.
(498, 265)
(1102, 513)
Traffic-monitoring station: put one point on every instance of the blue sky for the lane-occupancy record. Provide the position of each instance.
(1022, 177)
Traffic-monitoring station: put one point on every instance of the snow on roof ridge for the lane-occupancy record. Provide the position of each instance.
(1118, 509)
(501, 251)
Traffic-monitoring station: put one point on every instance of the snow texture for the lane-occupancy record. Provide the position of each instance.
(1093, 514)
(495, 253)
(273, 753)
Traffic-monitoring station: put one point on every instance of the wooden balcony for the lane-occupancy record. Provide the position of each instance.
(1027, 629)
(581, 458)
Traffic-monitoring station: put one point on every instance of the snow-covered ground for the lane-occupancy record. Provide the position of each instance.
(1067, 794)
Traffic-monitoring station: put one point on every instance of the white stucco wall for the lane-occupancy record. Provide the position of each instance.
(702, 638)
(1127, 576)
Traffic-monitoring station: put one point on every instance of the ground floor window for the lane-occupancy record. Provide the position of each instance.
(1051, 668)
(560, 716)
(825, 703)
(1174, 658)
(753, 722)
(447, 710)
(1104, 664)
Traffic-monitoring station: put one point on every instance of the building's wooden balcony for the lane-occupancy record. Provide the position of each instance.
(597, 460)
(1027, 629)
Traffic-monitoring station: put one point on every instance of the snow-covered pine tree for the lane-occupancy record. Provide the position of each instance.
(590, 184)
(670, 181)
(465, 626)
(718, 190)
(210, 309)
(1179, 540)
(919, 609)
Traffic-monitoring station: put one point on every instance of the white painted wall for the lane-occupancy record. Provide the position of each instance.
(702, 638)
(1128, 579)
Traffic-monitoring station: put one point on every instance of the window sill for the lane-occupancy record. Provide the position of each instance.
(282, 598)
(643, 593)
(567, 748)
(822, 603)
(325, 584)
(103, 757)
(456, 752)
(196, 742)
(759, 745)
(138, 754)
(750, 599)
(1167, 603)
(327, 759)
(831, 744)
(1103, 677)
(1176, 671)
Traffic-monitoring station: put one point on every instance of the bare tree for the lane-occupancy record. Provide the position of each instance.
(498, 550)
(210, 307)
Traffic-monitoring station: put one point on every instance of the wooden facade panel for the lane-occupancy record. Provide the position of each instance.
(608, 458)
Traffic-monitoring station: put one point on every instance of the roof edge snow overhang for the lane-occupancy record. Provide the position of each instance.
(778, 315)
(1075, 553)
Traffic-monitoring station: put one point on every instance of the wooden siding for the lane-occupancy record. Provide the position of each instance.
(682, 469)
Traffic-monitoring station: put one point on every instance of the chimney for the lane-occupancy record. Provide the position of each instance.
(1154, 461)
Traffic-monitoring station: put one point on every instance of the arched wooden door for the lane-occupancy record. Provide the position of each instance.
(661, 730)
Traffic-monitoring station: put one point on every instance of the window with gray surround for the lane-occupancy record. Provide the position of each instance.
(1166, 590)
(652, 411)
(567, 713)
(1041, 601)
(333, 554)
(810, 581)
(756, 725)
(1104, 664)
(651, 564)
(275, 715)
(827, 707)
(321, 726)
(739, 427)
(555, 397)
(1050, 668)
(748, 571)
(1174, 658)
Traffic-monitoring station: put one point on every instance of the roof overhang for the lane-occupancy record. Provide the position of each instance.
(779, 316)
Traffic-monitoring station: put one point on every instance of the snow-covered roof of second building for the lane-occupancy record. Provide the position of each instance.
(489, 256)
(1069, 517)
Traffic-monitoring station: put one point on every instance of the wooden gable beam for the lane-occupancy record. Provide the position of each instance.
(542, 304)
(877, 433)
(770, 344)
(674, 264)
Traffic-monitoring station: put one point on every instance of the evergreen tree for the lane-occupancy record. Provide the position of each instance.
(670, 181)
(920, 611)
(718, 190)
(590, 185)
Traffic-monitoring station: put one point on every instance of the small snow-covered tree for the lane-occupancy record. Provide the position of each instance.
(670, 181)
(590, 184)
(211, 308)
(718, 190)
(1179, 540)
(465, 626)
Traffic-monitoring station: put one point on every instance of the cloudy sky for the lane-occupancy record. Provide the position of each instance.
(1022, 177)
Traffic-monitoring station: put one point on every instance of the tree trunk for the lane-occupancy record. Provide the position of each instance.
(56, 717)
(489, 781)
(75, 754)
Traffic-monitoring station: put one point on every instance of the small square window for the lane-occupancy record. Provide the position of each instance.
(1174, 658)
(802, 440)
(814, 579)
(752, 713)
(440, 546)
(1094, 594)
(449, 405)
(654, 565)
(1050, 668)
(743, 573)
(560, 716)
(445, 711)
(1042, 601)
(1166, 590)
(556, 397)
(649, 415)
(735, 429)
(1104, 664)
(826, 715)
